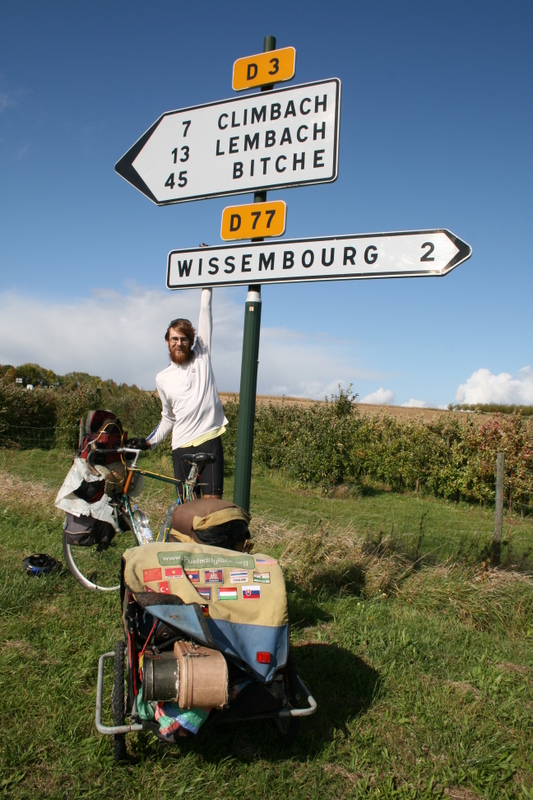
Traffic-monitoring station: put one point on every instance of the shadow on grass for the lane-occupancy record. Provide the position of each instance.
(515, 561)
(343, 686)
(305, 608)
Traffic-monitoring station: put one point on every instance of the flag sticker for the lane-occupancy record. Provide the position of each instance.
(213, 576)
(204, 591)
(193, 575)
(152, 574)
(173, 572)
(163, 587)
(205, 610)
(238, 575)
(251, 592)
(261, 577)
(263, 561)
(227, 593)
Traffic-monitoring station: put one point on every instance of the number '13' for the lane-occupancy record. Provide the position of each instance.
(184, 150)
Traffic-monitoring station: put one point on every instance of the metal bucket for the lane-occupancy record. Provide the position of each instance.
(160, 677)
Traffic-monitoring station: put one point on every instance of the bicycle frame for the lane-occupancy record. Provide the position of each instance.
(188, 487)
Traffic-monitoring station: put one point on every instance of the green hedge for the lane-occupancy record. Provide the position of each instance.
(50, 416)
(313, 444)
(453, 457)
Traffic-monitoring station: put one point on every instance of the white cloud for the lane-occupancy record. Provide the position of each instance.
(119, 334)
(109, 334)
(8, 97)
(484, 387)
(5, 101)
(412, 403)
(379, 398)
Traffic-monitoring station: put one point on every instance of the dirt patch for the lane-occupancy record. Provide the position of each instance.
(458, 793)
(15, 491)
(521, 669)
(463, 687)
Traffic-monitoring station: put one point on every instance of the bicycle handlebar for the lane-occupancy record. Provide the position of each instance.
(133, 450)
(132, 467)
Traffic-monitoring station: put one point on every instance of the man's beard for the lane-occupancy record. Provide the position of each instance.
(180, 357)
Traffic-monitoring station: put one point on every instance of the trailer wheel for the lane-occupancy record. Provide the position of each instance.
(119, 703)
(288, 726)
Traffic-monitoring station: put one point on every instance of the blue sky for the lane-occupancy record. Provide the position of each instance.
(436, 132)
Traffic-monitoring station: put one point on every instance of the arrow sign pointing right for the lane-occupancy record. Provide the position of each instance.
(402, 254)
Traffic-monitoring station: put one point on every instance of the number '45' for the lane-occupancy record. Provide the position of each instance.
(181, 182)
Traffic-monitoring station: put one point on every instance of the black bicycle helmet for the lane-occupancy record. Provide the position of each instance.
(41, 564)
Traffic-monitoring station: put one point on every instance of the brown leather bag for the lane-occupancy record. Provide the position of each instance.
(203, 676)
(211, 521)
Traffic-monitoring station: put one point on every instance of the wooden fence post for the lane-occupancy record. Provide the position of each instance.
(496, 550)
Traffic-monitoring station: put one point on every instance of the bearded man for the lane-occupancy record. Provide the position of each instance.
(192, 409)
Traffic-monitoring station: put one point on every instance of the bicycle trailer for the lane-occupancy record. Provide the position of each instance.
(206, 634)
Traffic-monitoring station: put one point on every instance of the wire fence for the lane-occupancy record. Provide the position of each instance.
(22, 437)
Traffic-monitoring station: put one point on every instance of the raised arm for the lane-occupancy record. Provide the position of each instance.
(205, 320)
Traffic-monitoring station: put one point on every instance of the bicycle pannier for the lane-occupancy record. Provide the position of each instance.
(87, 531)
(104, 429)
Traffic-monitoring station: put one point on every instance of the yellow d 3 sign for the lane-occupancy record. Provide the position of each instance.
(260, 70)
(253, 221)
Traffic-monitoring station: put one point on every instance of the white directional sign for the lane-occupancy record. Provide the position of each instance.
(287, 137)
(379, 255)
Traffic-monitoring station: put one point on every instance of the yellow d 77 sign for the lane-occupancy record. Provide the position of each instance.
(253, 221)
(265, 68)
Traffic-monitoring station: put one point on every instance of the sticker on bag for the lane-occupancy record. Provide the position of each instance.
(251, 592)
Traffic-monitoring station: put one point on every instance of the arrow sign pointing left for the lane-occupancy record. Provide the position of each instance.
(287, 137)
(403, 254)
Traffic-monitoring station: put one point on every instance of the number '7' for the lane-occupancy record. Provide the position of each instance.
(256, 214)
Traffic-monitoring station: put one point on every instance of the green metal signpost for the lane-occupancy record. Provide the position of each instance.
(250, 361)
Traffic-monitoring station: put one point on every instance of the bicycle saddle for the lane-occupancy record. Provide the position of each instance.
(199, 458)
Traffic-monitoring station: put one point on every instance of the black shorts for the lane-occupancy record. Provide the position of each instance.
(212, 477)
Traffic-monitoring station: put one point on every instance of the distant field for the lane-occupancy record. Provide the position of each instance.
(427, 414)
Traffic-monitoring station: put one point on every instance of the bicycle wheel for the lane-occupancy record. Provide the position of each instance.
(118, 701)
(98, 567)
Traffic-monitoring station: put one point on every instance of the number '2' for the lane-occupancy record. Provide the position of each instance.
(427, 255)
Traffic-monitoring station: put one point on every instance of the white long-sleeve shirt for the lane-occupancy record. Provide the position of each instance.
(188, 392)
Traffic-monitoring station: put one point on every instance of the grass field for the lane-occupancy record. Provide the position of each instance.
(419, 655)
